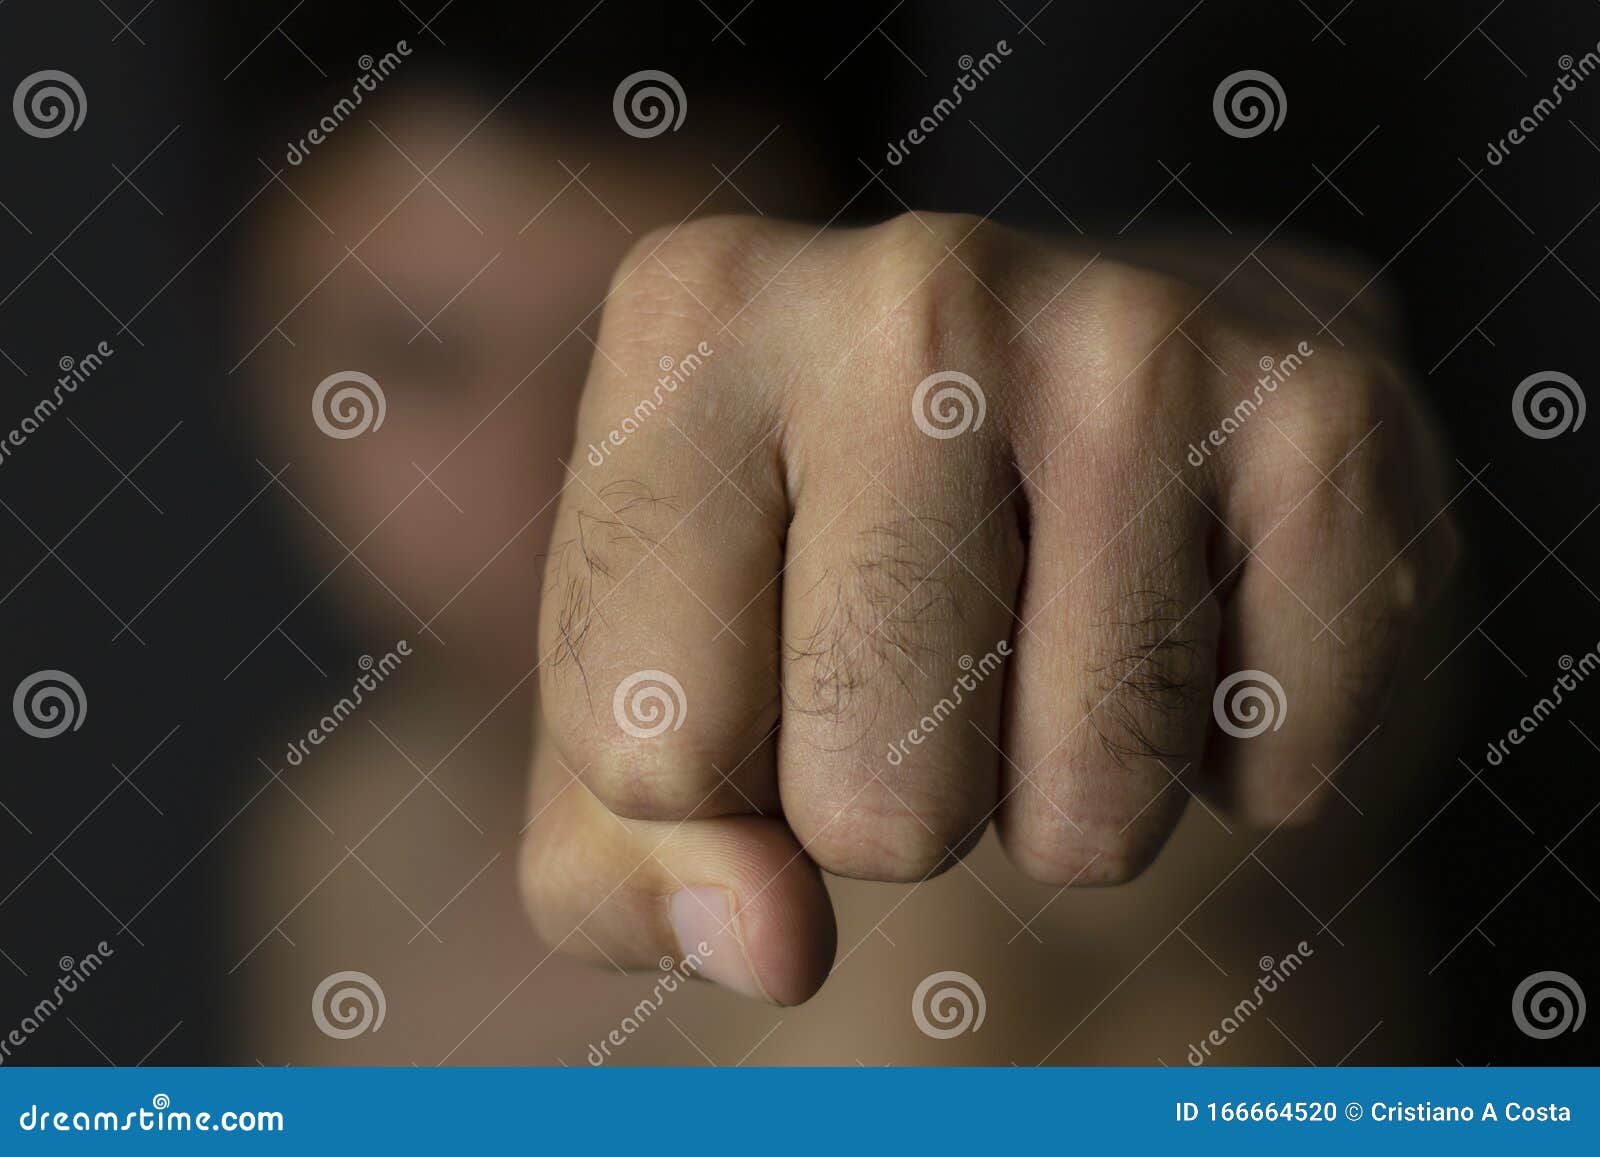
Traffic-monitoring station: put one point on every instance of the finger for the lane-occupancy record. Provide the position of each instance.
(897, 622)
(731, 899)
(1106, 713)
(660, 614)
(1325, 602)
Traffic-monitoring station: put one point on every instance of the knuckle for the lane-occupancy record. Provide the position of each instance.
(646, 782)
(1403, 585)
(1332, 450)
(678, 279)
(1333, 408)
(887, 840)
(1379, 618)
(1131, 308)
(919, 272)
(1143, 370)
(1120, 860)
(1120, 853)
(853, 643)
(1093, 859)
(706, 249)
(1107, 833)
(1154, 389)
(906, 246)
(1136, 295)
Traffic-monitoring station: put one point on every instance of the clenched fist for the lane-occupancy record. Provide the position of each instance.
(874, 536)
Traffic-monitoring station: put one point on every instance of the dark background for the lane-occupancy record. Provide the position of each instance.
(1497, 267)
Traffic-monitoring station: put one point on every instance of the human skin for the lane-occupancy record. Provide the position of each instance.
(784, 539)
(491, 992)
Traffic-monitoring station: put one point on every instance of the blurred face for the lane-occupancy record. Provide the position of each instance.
(462, 301)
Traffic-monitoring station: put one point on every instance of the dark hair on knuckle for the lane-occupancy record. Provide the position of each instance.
(874, 617)
(593, 559)
(1157, 677)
